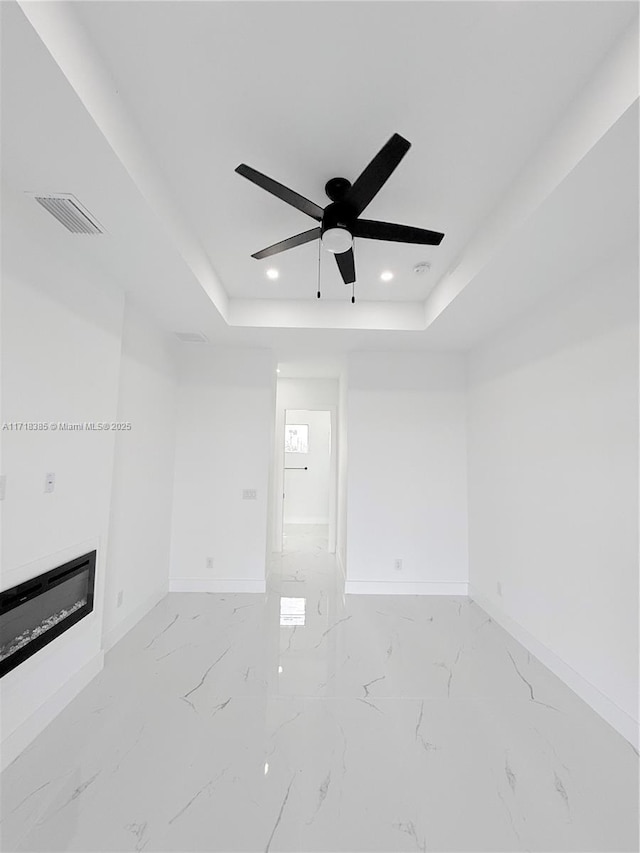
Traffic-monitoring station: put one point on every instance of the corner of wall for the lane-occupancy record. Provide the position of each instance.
(619, 719)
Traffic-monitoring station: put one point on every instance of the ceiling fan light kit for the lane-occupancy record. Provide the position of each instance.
(336, 240)
(339, 220)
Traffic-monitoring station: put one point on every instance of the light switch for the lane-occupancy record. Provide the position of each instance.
(249, 495)
(3, 486)
(49, 482)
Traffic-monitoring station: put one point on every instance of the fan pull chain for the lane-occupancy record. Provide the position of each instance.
(353, 284)
(319, 256)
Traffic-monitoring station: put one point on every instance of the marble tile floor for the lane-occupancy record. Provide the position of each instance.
(305, 720)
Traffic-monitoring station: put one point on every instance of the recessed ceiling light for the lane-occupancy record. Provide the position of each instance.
(386, 275)
(277, 370)
(272, 273)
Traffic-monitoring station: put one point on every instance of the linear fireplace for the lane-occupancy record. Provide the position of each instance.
(37, 611)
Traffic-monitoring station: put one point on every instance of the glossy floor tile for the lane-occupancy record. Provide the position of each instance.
(305, 720)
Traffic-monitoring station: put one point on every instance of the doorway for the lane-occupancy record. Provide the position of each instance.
(307, 480)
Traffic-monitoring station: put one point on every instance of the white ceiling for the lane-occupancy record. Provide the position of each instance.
(590, 218)
(304, 91)
(51, 145)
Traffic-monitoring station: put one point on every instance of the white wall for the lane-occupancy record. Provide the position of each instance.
(74, 351)
(225, 406)
(341, 504)
(313, 395)
(140, 526)
(307, 490)
(553, 485)
(61, 330)
(407, 487)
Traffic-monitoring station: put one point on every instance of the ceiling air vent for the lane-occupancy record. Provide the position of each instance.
(70, 213)
(191, 337)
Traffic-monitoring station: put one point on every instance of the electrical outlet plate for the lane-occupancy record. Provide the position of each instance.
(499, 588)
(120, 597)
(209, 562)
(397, 565)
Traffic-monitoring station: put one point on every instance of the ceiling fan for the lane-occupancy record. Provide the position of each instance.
(339, 220)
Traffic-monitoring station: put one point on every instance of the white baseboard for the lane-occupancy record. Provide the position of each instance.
(405, 588)
(217, 585)
(303, 520)
(606, 708)
(20, 738)
(132, 619)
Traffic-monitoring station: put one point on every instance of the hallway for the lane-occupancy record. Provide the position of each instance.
(309, 721)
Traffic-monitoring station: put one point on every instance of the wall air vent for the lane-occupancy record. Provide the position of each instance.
(70, 213)
(191, 337)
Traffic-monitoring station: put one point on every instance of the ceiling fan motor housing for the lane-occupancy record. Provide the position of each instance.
(336, 188)
(337, 223)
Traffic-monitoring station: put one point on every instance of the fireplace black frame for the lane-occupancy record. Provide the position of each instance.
(16, 595)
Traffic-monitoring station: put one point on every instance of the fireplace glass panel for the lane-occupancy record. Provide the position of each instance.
(34, 613)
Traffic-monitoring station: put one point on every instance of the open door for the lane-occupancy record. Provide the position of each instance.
(307, 476)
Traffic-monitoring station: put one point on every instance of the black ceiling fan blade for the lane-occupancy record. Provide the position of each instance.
(377, 173)
(397, 233)
(290, 243)
(347, 266)
(293, 198)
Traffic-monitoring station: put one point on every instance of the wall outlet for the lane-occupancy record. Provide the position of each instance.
(397, 565)
(499, 588)
(49, 482)
(3, 486)
(120, 597)
(249, 495)
(209, 562)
